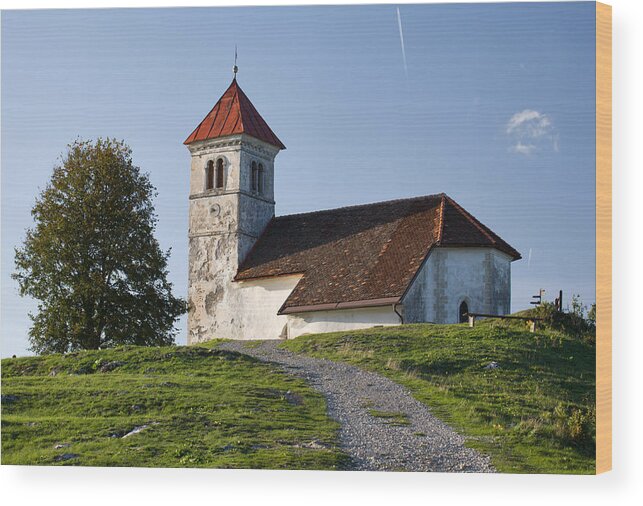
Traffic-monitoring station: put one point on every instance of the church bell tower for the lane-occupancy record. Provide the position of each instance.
(231, 202)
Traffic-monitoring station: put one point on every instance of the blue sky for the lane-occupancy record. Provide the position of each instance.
(495, 107)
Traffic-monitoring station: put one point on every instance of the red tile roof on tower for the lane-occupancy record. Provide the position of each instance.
(362, 255)
(234, 114)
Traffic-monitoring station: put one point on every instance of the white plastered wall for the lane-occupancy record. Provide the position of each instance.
(314, 322)
(257, 303)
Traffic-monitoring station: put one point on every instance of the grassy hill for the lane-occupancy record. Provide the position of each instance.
(162, 407)
(534, 412)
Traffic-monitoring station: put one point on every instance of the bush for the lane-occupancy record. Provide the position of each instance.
(575, 425)
(573, 322)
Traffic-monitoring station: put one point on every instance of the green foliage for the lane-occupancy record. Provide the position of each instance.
(92, 260)
(591, 315)
(575, 322)
(575, 425)
(199, 407)
(533, 414)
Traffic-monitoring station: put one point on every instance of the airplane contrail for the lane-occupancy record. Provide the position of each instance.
(399, 24)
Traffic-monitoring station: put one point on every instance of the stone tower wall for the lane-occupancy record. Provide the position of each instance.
(223, 225)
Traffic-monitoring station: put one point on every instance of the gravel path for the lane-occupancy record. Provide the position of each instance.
(374, 443)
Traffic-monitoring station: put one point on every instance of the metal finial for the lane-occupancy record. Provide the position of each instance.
(235, 69)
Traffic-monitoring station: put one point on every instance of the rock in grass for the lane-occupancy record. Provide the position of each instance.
(138, 429)
(66, 456)
(135, 430)
(294, 398)
(314, 444)
(110, 366)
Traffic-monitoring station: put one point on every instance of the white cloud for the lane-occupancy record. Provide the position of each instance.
(523, 149)
(521, 118)
(531, 131)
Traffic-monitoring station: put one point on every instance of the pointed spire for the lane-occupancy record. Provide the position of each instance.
(234, 114)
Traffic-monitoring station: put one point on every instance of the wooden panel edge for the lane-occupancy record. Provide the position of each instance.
(603, 238)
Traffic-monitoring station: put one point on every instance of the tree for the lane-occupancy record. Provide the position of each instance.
(92, 261)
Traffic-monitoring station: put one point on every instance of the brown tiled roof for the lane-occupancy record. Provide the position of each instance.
(234, 114)
(361, 255)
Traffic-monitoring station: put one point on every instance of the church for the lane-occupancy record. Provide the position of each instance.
(254, 275)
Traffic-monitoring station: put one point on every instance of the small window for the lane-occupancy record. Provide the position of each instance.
(464, 312)
(219, 173)
(255, 176)
(260, 179)
(209, 176)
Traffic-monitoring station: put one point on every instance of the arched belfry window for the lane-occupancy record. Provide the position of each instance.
(463, 312)
(260, 180)
(255, 176)
(209, 175)
(220, 173)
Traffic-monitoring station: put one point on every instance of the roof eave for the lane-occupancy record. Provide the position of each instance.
(240, 277)
(200, 142)
(513, 254)
(332, 306)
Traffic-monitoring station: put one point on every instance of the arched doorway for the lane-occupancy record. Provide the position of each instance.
(463, 312)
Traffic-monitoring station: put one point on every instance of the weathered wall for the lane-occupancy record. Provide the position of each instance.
(479, 276)
(208, 280)
(254, 215)
(342, 319)
(240, 310)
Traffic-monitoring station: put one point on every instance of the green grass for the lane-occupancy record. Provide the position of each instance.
(533, 414)
(394, 418)
(202, 408)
